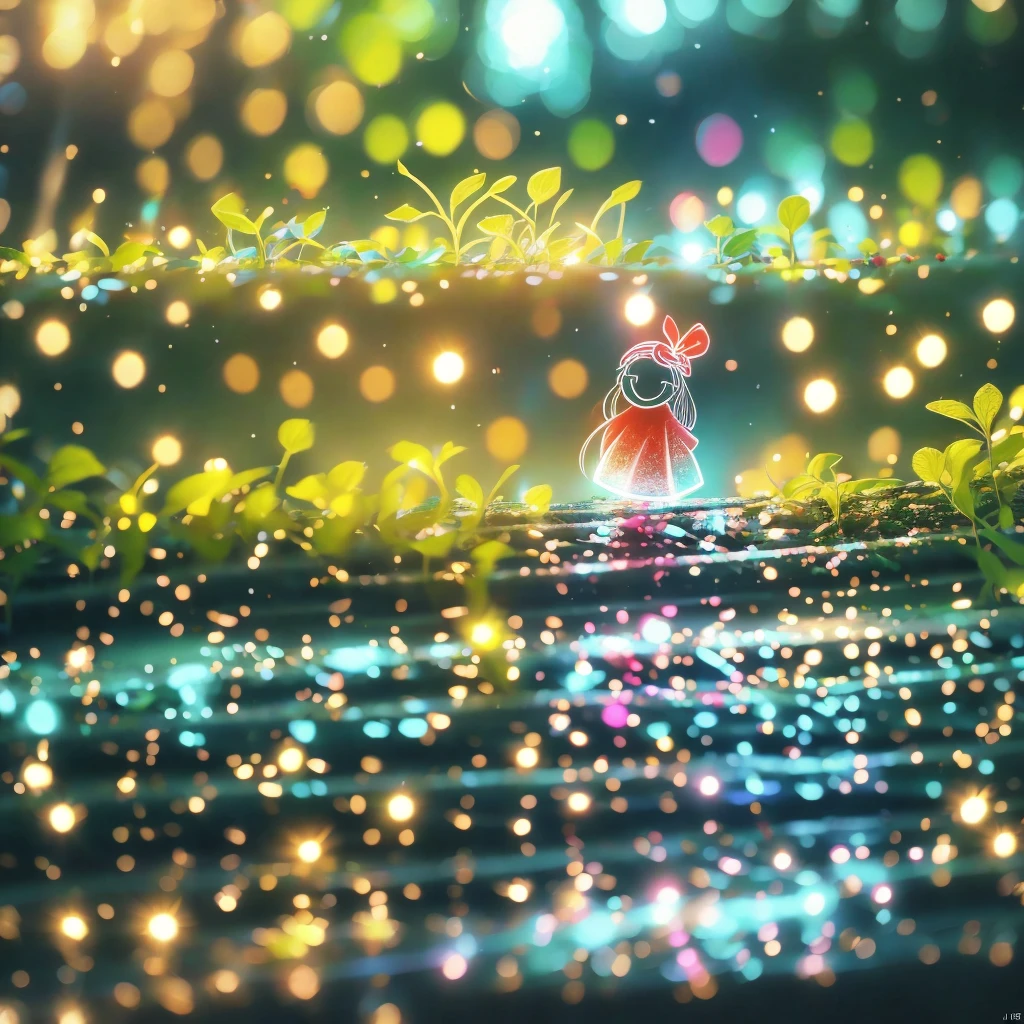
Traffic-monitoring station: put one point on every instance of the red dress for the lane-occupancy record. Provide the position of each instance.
(647, 453)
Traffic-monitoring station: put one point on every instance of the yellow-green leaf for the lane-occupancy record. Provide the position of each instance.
(311, 488)
(823, 463)
(538, 498)
(448, 450)
(502, 185)
(296, 435)
(70, 464)
(470, 489)
(346, 476)
(543, 185)
(228, 210)
(406, 214)
(313, 223)
(794, 212)
(261, 502)
(342, 504)
(466, 188)
(498, 224)
(129, 504)
(414, 455)
(720, 226)
(195, 493)
(954, 410)
(928, 464)
(987, 402)
(624, 193)
(147, 521)
(98, 242)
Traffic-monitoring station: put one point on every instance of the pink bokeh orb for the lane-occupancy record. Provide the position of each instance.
(719, 140)
(615, 715)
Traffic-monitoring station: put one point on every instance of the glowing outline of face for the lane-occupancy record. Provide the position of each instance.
(665, 394)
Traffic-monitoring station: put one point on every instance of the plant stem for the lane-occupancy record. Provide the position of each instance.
(280, 469)
(622, 220)
(992, 470)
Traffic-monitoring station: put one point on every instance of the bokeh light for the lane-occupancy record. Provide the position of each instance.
(166, 450)
(506, 438)
(53, 337)
(898, 382)
(639, 309)
(163, 927)
(441, 128)
(719, 140)
(129, 369)
(797, 334)
(591, 144)
(820, 395)
(331, 340)
(386, 138)
(377, 383)
(448, 367)
(998, 315)
(931, 350)
(568, 378)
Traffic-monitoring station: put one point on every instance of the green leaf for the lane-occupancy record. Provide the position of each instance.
(448, 451)
(612, 250)
(637, 251)
(465, 188)
(1011, 548)
(988, 400)
(496, 489)
(801, 487)
(794, 212)
(97, 241)
(558, 205)
(261, 502)
(957, 455)
(415, 455)
(740, 243)
(296, 435)
(624, 193)
(954, 411)
(498, 224)
(470, 489)
(15, 255)
(502, 185)
(195, 493)
(346, 476)
(538, 498)
(719, 226)
(312, 488)
(407, 214)
(869, 485)
(246, 476)
(823, 463)
(485, 556)
(313, 223)
(868, 247)
(71, 464)
(228, 210)
(928, 464)
(436, 545)
(129, 252)
(543, 185)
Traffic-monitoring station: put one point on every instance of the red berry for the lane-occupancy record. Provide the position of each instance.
(878, 261)
(941, 257)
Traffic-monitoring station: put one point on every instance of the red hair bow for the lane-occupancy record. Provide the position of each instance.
(674, 351)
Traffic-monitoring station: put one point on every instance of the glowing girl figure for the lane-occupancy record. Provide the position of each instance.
(647, 448)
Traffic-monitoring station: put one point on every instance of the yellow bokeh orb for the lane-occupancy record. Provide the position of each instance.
(931, 350)
(449, 367)
(921, 179)
(171, 73)
(151, 123)
(911, 233)
(338, 107)
(263, 111)
(974, 809)
(291, 759)
(496, 134)
(898, 382)
(163, 927)
(578, 802)
(639, 309)
(820, 395)
(401, 807)
(129, 369)
(852, 142)
(527, 757)
(568, 378)
(884, 443)
(153, 175)
(309, 851)
(166, 450)
(241, 373)
(303, 982)
(305, 169)
(62, 818)
(73, 926)
(264, 40)
(998, 315)
(966, 197)
(177, 312)
(441, 128)
(296, 388)
(332, 340)
(1004, 844)
(506, 438)
(179, 237)
(37, 775)
(205, 157)
(386, 138)
(377, 383)
(64, 47)
(270, 299)
(53, 337)
(797, 334)
(372, 48)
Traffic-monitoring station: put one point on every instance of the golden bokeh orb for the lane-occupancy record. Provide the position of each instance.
(639, 309)
(441, 128)
(998, 315)
(53, 337)
(179, 237)
(449, 367)
(973, 809)
(129, 369)
(166, 450)
(797, 334)
(205, 156)
(931, 350)
(332, 340)
(898, 382)
(177, 313)
(163, 927)
(291, 759)
(73, 926)
(37, 775)
(309, 851)
(568, 378)
(377, 383)
(820, 395)
(578, 802)
(506, 438)
(241, 373)
(401, 807)
(338, 107)
(263, 111)
(496, 134)
(1004, 844)
(62, 818)
(296, 388)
